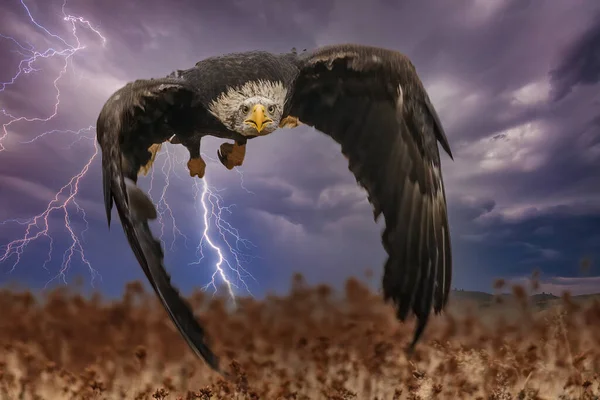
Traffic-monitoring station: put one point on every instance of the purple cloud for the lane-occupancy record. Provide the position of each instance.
(518, 98)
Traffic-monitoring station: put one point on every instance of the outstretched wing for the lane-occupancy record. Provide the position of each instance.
(372, 102)
(133, 119)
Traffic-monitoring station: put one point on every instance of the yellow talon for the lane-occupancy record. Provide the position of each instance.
(197, 167)
(232, 155)
(289, 122)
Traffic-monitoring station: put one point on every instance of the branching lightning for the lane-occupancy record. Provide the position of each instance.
(211, 203)
(208, 202)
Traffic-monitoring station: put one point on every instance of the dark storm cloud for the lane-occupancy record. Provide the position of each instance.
(581, 63)
(522, 190)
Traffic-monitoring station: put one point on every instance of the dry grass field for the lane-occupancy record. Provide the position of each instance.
(312, 344)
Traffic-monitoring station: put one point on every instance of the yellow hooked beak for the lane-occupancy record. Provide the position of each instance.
(258, 119)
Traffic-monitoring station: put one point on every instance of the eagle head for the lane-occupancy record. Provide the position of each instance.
(253, 109)
(257, 116)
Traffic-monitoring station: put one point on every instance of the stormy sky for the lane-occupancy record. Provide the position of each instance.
(515, 82)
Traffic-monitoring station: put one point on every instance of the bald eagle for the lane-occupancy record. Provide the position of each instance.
(369, 100)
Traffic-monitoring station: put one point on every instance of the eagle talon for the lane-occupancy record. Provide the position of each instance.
(289, 122)
(197, 167)
(231, 155)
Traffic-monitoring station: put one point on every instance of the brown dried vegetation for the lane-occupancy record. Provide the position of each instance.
(312, 344)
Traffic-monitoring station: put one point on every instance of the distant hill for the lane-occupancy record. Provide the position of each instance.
(539, 300)
(482, 297)
(543, 297)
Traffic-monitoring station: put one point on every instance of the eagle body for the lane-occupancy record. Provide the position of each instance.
(369, 100)
(192, 103)
(214, 76)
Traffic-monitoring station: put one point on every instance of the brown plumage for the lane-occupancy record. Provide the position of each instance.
(372, 102)
(369, 100)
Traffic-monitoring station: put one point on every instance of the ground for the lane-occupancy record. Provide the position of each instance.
(312, 344)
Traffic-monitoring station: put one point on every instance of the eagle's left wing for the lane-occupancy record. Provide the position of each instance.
(372, 102)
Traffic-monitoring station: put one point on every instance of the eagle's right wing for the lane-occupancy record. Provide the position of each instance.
(134, 118)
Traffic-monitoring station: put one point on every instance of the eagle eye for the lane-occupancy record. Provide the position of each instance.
(245, 109)
(271, 109)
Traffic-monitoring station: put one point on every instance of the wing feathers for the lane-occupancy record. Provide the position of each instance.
(130, 121)
(440, 134)
(179, 311)
(351, 94)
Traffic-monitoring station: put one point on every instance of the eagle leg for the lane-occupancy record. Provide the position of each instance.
(153, 150)
(196, 164)
(232, 155)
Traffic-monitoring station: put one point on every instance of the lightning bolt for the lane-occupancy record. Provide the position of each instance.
(65, 200)
(218, 235)
(164, 209)
(232, 254)
(212, 211)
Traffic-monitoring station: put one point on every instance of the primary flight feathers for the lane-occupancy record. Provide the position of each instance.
(369, 100)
